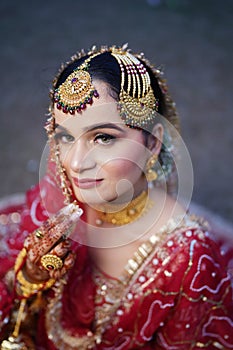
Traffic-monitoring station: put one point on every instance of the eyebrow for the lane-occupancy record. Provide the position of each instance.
(104, 126)
(94, 127)
(58, 126)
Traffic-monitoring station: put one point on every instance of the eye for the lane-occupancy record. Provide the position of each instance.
(104, 139)
(63, 137)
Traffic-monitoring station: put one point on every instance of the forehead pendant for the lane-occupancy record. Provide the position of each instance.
(77, 90)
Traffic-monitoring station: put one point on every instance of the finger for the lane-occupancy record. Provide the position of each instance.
(35, 273)
(71, 211)
(64, 212)
(61, 249)
(54, 237)
(29, 241)
(63, 229)
(68, 263)
(36, 237)
(39, 248)
(62, 224)
(69, 214)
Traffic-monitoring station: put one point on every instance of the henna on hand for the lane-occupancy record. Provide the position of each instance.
(51, 238)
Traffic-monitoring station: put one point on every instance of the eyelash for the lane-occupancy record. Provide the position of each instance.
(101, 138)
(108, 139)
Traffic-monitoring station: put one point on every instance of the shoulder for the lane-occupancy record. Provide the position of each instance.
(190, 237)
(182, 249)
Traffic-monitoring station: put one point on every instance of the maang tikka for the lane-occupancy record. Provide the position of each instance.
(77, 90)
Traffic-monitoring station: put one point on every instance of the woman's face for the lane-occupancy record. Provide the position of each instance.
(104, 159)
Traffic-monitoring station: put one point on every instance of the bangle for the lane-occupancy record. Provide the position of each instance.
(27, 289)
(24, 287)
(20, 260)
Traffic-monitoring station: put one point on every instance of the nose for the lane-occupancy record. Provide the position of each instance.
(80, 159)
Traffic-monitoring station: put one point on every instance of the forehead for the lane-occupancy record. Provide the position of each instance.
(103, 110)
(92, 115)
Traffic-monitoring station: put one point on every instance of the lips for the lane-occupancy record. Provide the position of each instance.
(86, 183)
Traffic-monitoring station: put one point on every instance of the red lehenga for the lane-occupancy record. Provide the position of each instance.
(175, 292)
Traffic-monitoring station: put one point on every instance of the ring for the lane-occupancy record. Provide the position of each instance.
(39, 233)
(51, 262)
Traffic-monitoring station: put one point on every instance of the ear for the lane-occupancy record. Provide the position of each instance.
(155, 139)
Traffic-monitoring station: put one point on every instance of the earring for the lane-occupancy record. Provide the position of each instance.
(151, 174)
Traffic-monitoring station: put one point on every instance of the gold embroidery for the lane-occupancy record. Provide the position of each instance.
(60, 337)
(108, 298)
(113, 296)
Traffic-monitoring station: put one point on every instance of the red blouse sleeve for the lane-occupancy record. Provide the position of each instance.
(202, 313)
(16, 222)
(10, 245)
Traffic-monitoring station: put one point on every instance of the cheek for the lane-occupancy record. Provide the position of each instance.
(65, 155)
(129, 162)
(122, 168)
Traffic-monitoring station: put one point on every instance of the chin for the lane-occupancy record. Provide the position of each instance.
(95, 198)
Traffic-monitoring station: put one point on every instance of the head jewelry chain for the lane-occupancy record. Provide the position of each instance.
(83, 91)
(77, 91)
(137, 103)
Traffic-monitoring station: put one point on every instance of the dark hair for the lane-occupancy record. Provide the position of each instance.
(105, 67)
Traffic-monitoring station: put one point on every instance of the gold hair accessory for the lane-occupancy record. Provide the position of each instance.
(151, 174)
(77, 90)
(51, 262)
(138, 105)
(135, 209)
(142, 85)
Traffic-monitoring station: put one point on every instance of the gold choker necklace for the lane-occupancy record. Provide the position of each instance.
(131, 212)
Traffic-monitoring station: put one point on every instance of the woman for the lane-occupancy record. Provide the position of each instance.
(122, 265)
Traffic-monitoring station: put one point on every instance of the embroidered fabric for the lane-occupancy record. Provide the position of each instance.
(175, 298)
(174, 293)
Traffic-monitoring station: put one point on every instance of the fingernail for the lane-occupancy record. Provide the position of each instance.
(76, 214)
(74, 211)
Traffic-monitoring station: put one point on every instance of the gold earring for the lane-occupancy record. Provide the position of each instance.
(151, 174)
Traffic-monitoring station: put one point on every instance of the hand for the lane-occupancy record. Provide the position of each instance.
(51, 238)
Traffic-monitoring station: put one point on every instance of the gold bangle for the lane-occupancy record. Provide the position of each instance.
(26, 288)
(20, 259)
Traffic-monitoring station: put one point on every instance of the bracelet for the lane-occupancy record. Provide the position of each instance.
(24, 287)
(27, 289)
(20, 260)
